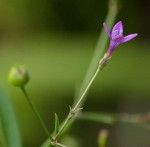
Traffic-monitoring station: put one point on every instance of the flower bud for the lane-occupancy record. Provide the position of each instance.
(102, 138)
(18, 76)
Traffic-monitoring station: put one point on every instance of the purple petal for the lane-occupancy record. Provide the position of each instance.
(107, 30)
(129, 37)
(117, 30)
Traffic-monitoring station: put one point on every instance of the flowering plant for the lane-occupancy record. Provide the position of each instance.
(17, 76)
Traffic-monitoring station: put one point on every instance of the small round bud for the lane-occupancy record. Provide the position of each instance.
(18, 76)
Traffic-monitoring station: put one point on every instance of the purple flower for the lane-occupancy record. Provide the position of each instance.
(116, 37)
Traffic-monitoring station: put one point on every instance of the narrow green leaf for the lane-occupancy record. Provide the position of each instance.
(8, 121)
(56, 124)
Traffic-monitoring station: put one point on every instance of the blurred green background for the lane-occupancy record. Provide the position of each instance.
(55, 39)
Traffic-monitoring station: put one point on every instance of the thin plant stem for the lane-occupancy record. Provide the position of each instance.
(113, 10)
(87, 88)
(36, 112)
(75, 109)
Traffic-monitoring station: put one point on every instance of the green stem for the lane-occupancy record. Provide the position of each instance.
(36, 112)
(74, 110)
(101, 45)
(113, 9)
(86, 90)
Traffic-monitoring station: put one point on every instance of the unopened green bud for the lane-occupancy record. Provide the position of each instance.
(18, 76)
(102, 138)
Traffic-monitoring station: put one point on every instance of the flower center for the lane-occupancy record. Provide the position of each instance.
(117, 35)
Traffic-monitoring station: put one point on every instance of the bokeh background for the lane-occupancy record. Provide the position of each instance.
(55, 39)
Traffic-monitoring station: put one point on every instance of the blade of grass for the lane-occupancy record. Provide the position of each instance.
(8, 121)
